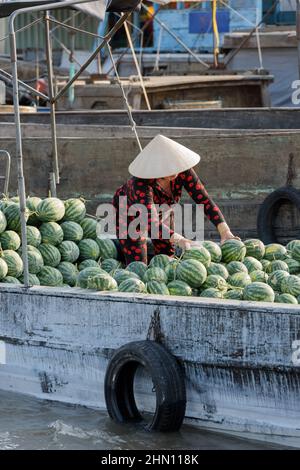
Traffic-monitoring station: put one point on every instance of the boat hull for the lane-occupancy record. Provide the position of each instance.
(240, 358)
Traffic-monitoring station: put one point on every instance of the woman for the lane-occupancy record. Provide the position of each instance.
(160, 172)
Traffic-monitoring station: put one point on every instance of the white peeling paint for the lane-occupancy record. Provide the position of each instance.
(238, 357)
(2, 353)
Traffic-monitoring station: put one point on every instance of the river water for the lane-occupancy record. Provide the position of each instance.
(29, 423)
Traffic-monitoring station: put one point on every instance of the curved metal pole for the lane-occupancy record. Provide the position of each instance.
(7, 170)
(19, 151)
(55, 165)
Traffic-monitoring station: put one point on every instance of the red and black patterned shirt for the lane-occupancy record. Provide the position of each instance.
(149, 193)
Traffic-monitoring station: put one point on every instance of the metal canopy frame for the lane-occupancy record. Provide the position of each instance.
(52, 98)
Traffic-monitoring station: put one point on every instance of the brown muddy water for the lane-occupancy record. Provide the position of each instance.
(29, 423)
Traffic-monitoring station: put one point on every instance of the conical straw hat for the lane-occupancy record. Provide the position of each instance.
(162, 157)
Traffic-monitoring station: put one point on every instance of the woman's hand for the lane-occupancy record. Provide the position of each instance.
(180, 241)
(225, 233)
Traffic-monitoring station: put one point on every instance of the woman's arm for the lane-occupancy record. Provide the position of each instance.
(198, 193)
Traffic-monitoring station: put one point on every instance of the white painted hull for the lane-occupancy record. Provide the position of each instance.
(238, 357)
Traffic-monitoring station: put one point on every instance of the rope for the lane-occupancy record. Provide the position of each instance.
(128, 107)
(137, 66)
(216, 32)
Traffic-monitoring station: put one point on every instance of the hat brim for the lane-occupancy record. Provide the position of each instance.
(161, 158)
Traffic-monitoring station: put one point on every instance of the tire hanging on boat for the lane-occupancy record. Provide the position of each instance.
(269, 210)
(168, 385)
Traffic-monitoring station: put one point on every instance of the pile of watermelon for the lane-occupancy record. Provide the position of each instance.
(64, 250)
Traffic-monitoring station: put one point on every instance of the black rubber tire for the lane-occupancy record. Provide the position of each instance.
(167, 377)
(269, 209)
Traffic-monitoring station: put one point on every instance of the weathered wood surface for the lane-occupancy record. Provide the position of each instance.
(268, 39)
(238, 357)
(239, 168)
(238, 165)
(232, 90)
(232, 118)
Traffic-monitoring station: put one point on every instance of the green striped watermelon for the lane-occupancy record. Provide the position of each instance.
(171, 270)
(265, 264)
(198, 253)
(233, 250)
(110, 265)
(88, 249)
(216, 282)
(259, 276)
(51, 233)
(159, 261)
(252, 264)
(277, 265)
(212, 293)
(75, 210)
(260, 292)
(34, 237)
(35, 261)
(239, 279)
(50, 209)
(138, 267)
(72, 231)
(3, 222)
(69, 251)
(179, 288)
(13, 219)
(32, 205)
(214, 250)
(107, 248)
(14, 263)
(276, 279)
(3, 269)
(86, 273)
(275, 251)
(102, 282)
(10, 240)
(89, 227)
(32, 278)
(293, 265)
(156, 287)
(122, 275)
(49, 276)
(286, 299)
(296, 251)
(10, 280)
(69, 273)
(255, 248)
(88, 263)
(133, 285)
(291, 285)
(236, 267)
(234, 294)
(292, 244)
(192, 272)
(155, 274)
(51, 255)
(218, 269)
